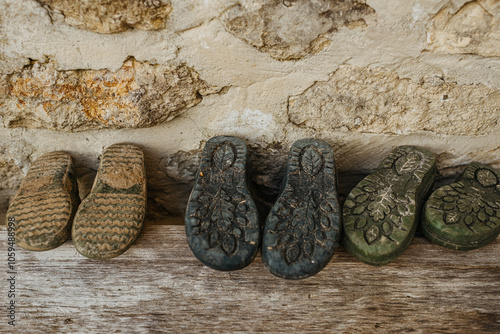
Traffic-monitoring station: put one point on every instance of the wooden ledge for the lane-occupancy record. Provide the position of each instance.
(158, 286)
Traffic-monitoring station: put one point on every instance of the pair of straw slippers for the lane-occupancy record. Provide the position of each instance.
(47, 210)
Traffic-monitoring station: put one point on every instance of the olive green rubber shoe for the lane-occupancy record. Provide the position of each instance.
(466, 214)
(109, 220)
(380, 214)
(45, 204)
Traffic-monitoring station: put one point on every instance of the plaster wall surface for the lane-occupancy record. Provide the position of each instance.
(365, 76)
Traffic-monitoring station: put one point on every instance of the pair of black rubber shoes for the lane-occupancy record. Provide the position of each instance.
(302, 229)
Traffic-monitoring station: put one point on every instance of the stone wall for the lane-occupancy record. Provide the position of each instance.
(167, 75)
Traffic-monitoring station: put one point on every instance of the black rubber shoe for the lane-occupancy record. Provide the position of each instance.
(302, 230)
(222, 224)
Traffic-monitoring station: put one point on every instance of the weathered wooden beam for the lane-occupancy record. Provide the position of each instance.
(159, 286)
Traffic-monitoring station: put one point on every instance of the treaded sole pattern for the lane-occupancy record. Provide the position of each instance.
(111, 217)
(303, 227)
(222, 224)
(381, 213)
(465, 215)
(45, 204)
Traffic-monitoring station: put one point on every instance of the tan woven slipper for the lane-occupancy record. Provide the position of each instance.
(45, 204)
(109, 220)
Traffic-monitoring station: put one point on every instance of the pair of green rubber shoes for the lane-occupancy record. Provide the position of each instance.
(381, 214)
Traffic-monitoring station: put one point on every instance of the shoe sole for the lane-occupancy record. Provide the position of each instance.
(111, 217)
(465, 215)
(380, 214)
(222, 223)
(303, 227)
(45, 204)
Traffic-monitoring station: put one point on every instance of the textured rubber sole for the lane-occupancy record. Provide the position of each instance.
(303, 227)
(109, 220)
(381, 213)
(465, 215)
(440, 240)
(45, 204)
(221, 221)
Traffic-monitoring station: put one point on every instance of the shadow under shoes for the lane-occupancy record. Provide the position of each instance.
(222, 224)
(303, 227)
(109, 220)
(45, 204)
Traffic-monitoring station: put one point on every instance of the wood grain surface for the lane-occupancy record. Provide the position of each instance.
(158, 286)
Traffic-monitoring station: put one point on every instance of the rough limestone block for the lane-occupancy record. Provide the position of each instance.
(400, 75)
(377, 101)
(111, 16)
(290, 30)
(137, 95)
(472, 29)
